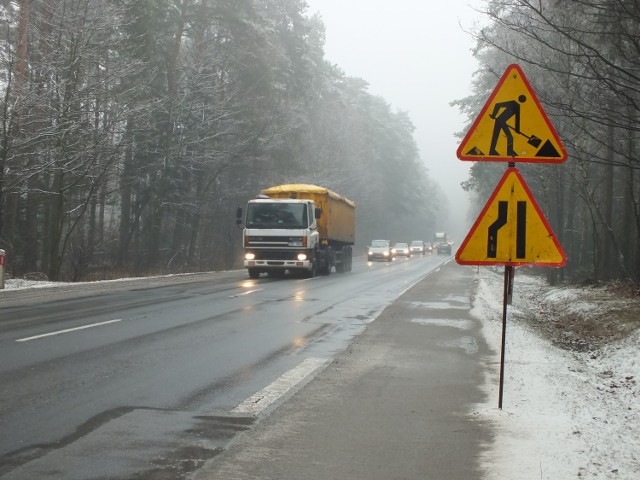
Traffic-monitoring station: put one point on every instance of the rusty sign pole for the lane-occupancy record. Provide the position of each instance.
(2, 258)
(508, 290)
(509, 273)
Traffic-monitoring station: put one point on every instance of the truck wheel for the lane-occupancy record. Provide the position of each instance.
(254, 273)
(326, 268)
(314, 267)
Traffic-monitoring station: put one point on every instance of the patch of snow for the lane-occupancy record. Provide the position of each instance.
(565, 414)
(18, 283)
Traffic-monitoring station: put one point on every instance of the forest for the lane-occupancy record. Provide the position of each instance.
(582, 58)
(133, 129)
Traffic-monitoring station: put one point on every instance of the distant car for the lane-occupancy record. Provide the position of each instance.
(401, 250)
(444, 248)
(417, 247)
(380, 250)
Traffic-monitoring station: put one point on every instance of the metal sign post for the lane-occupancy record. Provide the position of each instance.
(2, 258)
(508, 291)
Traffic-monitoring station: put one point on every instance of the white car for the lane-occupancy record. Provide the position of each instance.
(380, 250)
(401, 249)
(417, 247)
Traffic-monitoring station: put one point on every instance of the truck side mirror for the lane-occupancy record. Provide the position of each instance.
(318, 212)
(239, 217)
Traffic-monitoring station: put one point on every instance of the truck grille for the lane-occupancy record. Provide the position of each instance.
(275, 254)
(256, 241)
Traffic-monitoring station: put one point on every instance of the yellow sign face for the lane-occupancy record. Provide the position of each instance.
(511, 230)
(512, 126)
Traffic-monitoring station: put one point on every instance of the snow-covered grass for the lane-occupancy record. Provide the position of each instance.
(566, 414)
(19, 283)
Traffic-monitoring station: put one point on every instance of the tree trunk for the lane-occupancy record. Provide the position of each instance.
(126, 191)
(56, 220)
(606, 212)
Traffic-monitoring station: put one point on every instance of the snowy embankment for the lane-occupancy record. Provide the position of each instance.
(566, 413)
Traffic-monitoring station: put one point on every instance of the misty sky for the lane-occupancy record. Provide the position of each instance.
(415, 54)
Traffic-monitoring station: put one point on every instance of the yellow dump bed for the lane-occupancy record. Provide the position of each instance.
(338, 219)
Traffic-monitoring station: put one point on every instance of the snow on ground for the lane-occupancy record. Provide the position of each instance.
(19, 283)
(566, 414)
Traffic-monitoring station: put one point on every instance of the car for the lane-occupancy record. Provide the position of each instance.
(417, 247)
(444, 248)
(380, 250)
(401, 249)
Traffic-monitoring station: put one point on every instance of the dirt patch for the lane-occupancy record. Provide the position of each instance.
(578, 318)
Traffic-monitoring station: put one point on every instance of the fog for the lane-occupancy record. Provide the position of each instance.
(416, 55)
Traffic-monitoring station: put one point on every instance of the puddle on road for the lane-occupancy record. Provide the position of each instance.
(445, 322)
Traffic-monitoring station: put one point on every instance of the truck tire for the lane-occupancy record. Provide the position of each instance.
(326, 267)
(313, 272)
(314, 268)
(345, 261)
(254, 273)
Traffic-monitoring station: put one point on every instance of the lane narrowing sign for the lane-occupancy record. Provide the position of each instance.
(511, 230)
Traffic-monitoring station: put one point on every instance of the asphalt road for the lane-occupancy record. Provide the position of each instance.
(399, 403)
(141, 368)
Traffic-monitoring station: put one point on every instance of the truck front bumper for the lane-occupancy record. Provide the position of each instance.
(283, 264)
(277, 259)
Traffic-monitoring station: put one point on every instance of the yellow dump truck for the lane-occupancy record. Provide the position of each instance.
(298, 228)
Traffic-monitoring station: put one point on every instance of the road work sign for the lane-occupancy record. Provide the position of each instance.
(511, 230)
(512, 126)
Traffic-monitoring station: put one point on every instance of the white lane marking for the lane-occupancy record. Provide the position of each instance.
(245, 293)
(257, 402)
(68, 330)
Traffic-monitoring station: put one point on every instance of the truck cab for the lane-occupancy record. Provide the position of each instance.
(280, 235)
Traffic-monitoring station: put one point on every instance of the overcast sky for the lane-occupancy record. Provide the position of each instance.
(415, 54)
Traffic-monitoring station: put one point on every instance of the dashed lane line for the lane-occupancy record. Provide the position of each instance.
(67, 330)
(257, 402)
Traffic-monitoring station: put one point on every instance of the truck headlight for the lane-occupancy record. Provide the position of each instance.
(249, 256)
(302, 257)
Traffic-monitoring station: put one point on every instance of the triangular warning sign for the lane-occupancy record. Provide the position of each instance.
(512, 126)
(511, 230)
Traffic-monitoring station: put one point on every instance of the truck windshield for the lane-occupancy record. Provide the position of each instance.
(277, 215)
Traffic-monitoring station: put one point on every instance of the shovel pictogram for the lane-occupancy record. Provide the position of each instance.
(531, 139)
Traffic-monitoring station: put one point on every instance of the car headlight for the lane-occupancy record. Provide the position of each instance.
(250, 256)
(302, 257)
(386, 254)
